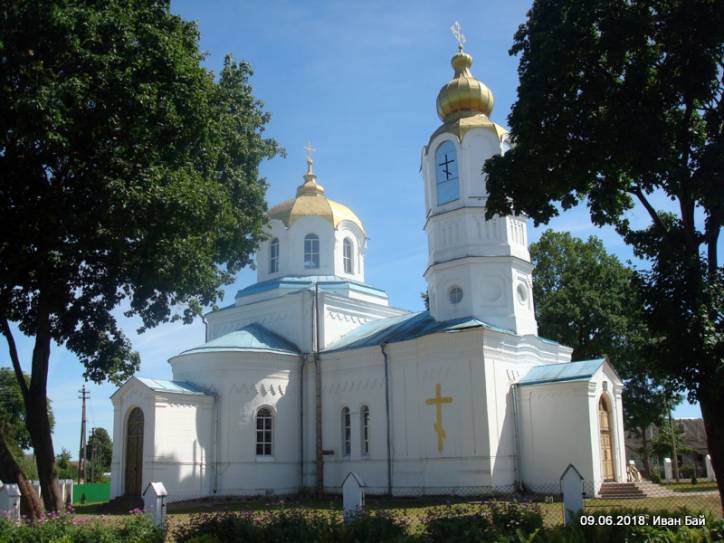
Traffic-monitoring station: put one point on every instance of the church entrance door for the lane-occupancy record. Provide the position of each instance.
(134, 453)
(604, 423)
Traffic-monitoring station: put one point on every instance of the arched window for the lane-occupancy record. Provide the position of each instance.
(446, 173)
(274, 256)
(311, 251)
(264, 432)
(346, 432)
(364, 423)
(348, 255)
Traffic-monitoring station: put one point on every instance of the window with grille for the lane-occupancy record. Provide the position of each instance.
(365, 428)
(274, 256)
(264, 432)
(311, 251)
(348, 255)
(446, 173)
(346, 432)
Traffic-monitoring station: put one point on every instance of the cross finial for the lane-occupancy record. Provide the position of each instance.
(309, 149)
(459, 37)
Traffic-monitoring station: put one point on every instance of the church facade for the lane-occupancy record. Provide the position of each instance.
(312, 374)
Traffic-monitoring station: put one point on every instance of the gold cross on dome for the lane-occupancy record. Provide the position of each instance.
(438, 402)
(457, 32)
(309, 149)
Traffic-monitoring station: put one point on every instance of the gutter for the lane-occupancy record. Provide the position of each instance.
(387, 418)
(519, 475)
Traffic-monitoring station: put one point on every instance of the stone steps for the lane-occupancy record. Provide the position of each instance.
(618, 491)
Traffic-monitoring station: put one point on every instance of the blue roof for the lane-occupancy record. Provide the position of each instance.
(252, 337)
(569, 371)
(178, 387)
(402, 328)
(297, 282)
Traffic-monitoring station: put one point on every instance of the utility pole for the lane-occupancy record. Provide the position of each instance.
(84, 395)
(674, 454)
(93, 455)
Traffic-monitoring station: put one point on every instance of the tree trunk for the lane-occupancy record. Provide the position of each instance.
(36, 408)
(11, 472)
(712, 406)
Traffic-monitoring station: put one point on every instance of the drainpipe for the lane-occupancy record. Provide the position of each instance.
(519, 474)
(318, 395)
(216, 442)
(301, 422)
(387, 416)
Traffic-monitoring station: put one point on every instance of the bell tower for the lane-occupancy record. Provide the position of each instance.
(476, 267)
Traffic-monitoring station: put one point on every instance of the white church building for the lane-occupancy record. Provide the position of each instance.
(312, 374)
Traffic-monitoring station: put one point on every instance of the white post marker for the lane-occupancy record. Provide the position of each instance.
(353, 496)
(10, 502)
(572, 490)
(709, 469)
(154, 503)
(668, 473)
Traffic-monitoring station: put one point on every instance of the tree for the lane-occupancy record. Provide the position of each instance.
(14, 439)
(99, 452)
(622, 102)
(127, 174)
(587, 299)
(64, 465)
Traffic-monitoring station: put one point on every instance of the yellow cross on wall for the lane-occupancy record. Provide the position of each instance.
(437, 401)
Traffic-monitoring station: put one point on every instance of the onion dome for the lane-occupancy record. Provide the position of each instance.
(463, 95)
(312, 202)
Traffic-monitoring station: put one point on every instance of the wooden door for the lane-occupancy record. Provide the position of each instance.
(134, 453)
(604, 423)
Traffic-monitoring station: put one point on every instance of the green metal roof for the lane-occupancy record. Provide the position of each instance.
(178, 387)
(252, 337)
(298, 282)
(402, 328)
(581, 370)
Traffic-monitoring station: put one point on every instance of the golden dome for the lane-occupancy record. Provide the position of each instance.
(463, 96)
(311, 201)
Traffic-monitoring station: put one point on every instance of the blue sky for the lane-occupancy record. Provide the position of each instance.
(358, 80)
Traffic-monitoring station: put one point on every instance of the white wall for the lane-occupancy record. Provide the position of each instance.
(558, 425)
(291, 248)
(176, 440)
(244, 382)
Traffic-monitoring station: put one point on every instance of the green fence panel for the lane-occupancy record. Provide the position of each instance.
(91, 493)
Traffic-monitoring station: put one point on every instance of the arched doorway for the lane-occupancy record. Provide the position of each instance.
(134, 453)
(604, 425)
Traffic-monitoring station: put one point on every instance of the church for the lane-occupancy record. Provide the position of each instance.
(311, 374)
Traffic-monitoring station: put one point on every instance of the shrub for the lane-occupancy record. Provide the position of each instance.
(492, 521)
(289, 526)
(70, 529)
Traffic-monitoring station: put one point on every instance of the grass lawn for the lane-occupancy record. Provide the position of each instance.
(412, 510)
(688, 487)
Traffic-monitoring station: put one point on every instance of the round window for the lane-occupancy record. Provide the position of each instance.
(456, 294)
(522, 293)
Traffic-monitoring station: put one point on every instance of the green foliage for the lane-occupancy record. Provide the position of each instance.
(622, 102)
(492, 521)
(288, 526)
(70, 529)
(129, 174)
(462, 523)
(67, 469)
(126, 172)
(587, 299)
(101, 442)
(12, 413)
(584, 299)
(661, 445)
